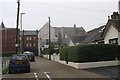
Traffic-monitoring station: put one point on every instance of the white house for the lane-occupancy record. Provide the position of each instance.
(43, 36)
(111, 32)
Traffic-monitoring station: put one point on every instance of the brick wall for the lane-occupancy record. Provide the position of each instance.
(8, 40)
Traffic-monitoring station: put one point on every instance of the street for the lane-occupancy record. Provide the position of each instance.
(50, 70)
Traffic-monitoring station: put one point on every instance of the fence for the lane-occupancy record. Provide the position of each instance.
(5, 64)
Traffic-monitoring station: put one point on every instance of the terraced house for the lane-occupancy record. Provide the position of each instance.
(30, 41)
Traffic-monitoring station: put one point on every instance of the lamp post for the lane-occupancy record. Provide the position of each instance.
(119, 6)
(21, 33)
(18, 10)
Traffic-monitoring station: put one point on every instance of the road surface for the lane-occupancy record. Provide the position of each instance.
(50, 70)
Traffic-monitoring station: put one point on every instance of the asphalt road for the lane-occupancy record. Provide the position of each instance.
(49, 70)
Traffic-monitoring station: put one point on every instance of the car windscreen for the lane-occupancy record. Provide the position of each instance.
(19, 57)
(28, 53)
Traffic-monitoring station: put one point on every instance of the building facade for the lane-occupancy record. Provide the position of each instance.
(111, 32)
(8, 37)
(30, 41)
(43, 37)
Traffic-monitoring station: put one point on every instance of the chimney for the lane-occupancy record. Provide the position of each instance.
(74, 25)
(115, 15)
(75, 30)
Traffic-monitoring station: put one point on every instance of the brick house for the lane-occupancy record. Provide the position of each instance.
(8, 37)
(30, 41)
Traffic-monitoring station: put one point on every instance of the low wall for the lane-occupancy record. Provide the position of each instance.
(83, 65)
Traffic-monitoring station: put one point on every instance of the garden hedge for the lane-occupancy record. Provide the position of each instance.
(90, 53)
(8, 54)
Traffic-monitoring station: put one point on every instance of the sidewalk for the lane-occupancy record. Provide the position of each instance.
(112, 72)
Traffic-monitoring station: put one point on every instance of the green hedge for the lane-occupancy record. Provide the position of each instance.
(90, 53)
(8, 54)
(46, 51)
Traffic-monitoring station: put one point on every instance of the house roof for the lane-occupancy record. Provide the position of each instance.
(94, 34)
(77, 39)
(30, 32)
(115, 22)
(65, 41)
(2, 25)
(71, 31)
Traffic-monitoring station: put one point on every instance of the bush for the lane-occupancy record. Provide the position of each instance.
(8, 54)
(46, 51)
(90, 53)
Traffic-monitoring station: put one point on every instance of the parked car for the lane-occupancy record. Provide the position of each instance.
(30, 55)
(19, 63)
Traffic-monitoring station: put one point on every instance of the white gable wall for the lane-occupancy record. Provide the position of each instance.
(111, 34)
(44, 34)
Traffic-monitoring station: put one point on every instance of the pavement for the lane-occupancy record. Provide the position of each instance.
(111, 71)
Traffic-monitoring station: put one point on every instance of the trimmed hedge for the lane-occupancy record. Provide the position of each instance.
(46, 51)
(8, 54)
(90, 53)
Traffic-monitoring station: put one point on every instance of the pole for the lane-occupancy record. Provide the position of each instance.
(119, 6)
(23, 41)
(21, 34)
(16, 45)
(49, 41)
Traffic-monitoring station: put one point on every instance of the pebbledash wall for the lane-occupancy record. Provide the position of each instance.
(87, 65)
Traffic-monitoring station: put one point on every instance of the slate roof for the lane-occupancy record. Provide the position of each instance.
(94, 34)
(70, 31)
(65, 41)
(30, 32)
(2, 26)
(77, 39)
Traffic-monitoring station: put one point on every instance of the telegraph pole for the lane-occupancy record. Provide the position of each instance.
(18, 10)
(49, 41)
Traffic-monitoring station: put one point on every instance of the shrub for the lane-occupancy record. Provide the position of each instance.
(7, 54)
(46, 51)
(90, 53)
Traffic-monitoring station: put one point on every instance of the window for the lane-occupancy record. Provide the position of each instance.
(30, 38)
(34, 44)
(27, 38)
(27, 45)
(34, 38)
(113, 41)
(47, 41)
(19, 38)
(30, 44)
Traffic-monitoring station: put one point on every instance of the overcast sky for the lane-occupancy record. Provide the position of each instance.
(89, 14)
